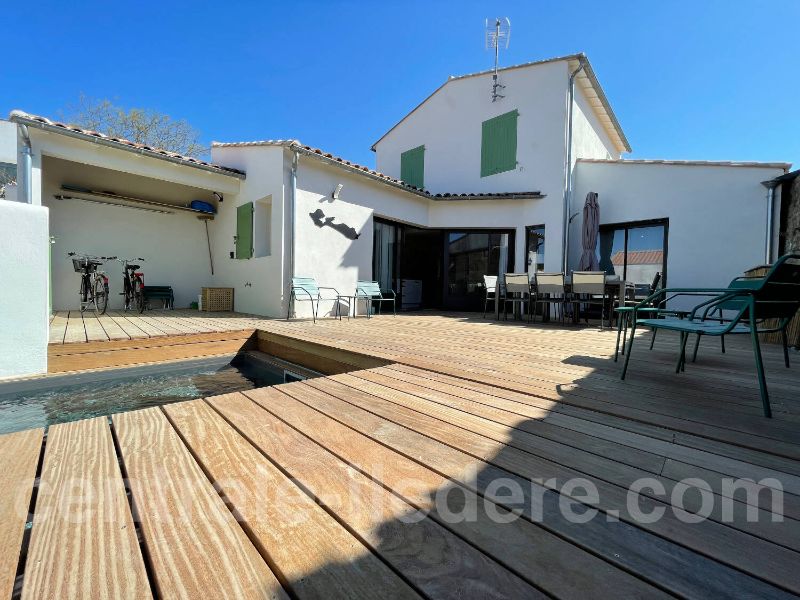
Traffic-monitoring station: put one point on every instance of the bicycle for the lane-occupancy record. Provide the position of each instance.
(94, 283)
(133, 284)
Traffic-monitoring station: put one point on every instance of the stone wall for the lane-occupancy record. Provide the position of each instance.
(792, 227)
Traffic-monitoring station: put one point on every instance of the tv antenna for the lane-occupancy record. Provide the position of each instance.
(498, 34)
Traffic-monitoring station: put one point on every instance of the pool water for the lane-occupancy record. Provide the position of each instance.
(43, 402)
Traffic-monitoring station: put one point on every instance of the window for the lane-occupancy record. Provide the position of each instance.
(534, 244)
(499, 144)
(412, 167)
(635, 252)
(244, 231)
(262, 224)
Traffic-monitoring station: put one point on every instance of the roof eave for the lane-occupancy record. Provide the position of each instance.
(624, 145)
(29, 122)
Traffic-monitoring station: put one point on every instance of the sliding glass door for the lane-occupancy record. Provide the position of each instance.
(384, 255)
(469, 256)
(635, 252)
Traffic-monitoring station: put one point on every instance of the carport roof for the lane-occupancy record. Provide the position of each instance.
(377, 175)
(18, 116)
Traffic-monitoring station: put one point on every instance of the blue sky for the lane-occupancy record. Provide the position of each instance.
(687, 80)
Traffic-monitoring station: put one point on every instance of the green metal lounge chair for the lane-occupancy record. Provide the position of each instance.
(625, 315)
(306, 289)
(371, 292)
(776, 296)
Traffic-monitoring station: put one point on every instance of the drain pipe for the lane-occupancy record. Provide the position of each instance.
(295, 158)
(568, 165)
(25, 163)
(770, 210)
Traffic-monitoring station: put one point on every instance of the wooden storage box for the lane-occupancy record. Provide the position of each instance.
(217, 299)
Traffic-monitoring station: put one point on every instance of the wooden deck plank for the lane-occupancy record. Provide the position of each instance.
(112, 328)
(707, 537)
(130, 327)
(595, 421)
(649, 557)
(531, 551)
(95, 332)
(786, 532)
(576, 393)
(195, 545)
(437, 562)
(76, 331)
(87, 551)
(19, 458)
(58, 327)
(310, 550)
(676, 457)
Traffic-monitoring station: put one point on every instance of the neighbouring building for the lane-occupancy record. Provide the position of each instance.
(464, 187)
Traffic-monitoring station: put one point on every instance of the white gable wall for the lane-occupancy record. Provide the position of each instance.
(448, 124)
(589, 137)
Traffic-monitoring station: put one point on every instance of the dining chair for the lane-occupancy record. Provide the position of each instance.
(589, 287)
(490, 289)
(549, 289)
(517, 292)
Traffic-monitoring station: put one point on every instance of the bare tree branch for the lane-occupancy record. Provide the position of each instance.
(142, 126)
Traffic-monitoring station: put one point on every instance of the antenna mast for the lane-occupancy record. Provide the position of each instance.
(497, 34)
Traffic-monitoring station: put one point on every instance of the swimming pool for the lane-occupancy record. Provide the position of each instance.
(46, 401)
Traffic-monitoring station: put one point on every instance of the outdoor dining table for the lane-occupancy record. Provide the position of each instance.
(615, 288)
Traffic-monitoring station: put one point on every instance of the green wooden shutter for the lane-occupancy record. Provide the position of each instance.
(412, 166)
(244, 231)
(499, 144)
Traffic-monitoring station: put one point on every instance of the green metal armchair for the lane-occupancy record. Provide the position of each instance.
(752, 302)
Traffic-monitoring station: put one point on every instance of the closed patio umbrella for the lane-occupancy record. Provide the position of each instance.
(591, 228)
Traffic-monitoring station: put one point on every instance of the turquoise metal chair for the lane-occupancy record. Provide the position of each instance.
(371, 291)
(306, 289)
(753, 302)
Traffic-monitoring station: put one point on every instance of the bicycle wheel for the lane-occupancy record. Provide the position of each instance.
(138, 294)
(84, 293)
(100, 295)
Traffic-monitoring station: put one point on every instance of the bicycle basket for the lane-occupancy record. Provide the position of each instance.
(79, 264)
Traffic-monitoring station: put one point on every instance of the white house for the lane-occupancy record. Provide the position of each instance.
(464, 186)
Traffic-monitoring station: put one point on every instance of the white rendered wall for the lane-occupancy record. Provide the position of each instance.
(323, 252)
(717, 215)
(258, 282)
(23, 302)
(449, 125)
(8, 142)
(334, 260)
(589, 137)
(174, 245)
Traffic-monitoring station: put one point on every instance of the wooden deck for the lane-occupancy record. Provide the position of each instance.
(73, 326)
(84, 341)
(352, 485)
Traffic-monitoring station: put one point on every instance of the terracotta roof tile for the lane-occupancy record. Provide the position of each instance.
(639, 257)
(20, 116)
(310, 150)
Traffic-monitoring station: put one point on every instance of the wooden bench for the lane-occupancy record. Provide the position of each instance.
(162, 292)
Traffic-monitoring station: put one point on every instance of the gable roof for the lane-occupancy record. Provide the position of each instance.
(18, 116)
(338, 161)
(586, 79)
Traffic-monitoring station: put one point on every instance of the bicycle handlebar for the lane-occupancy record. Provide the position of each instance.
(124, 260)
(90, 256)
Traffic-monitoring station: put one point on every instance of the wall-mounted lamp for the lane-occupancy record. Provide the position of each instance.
(337, 191)
(218, 196)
